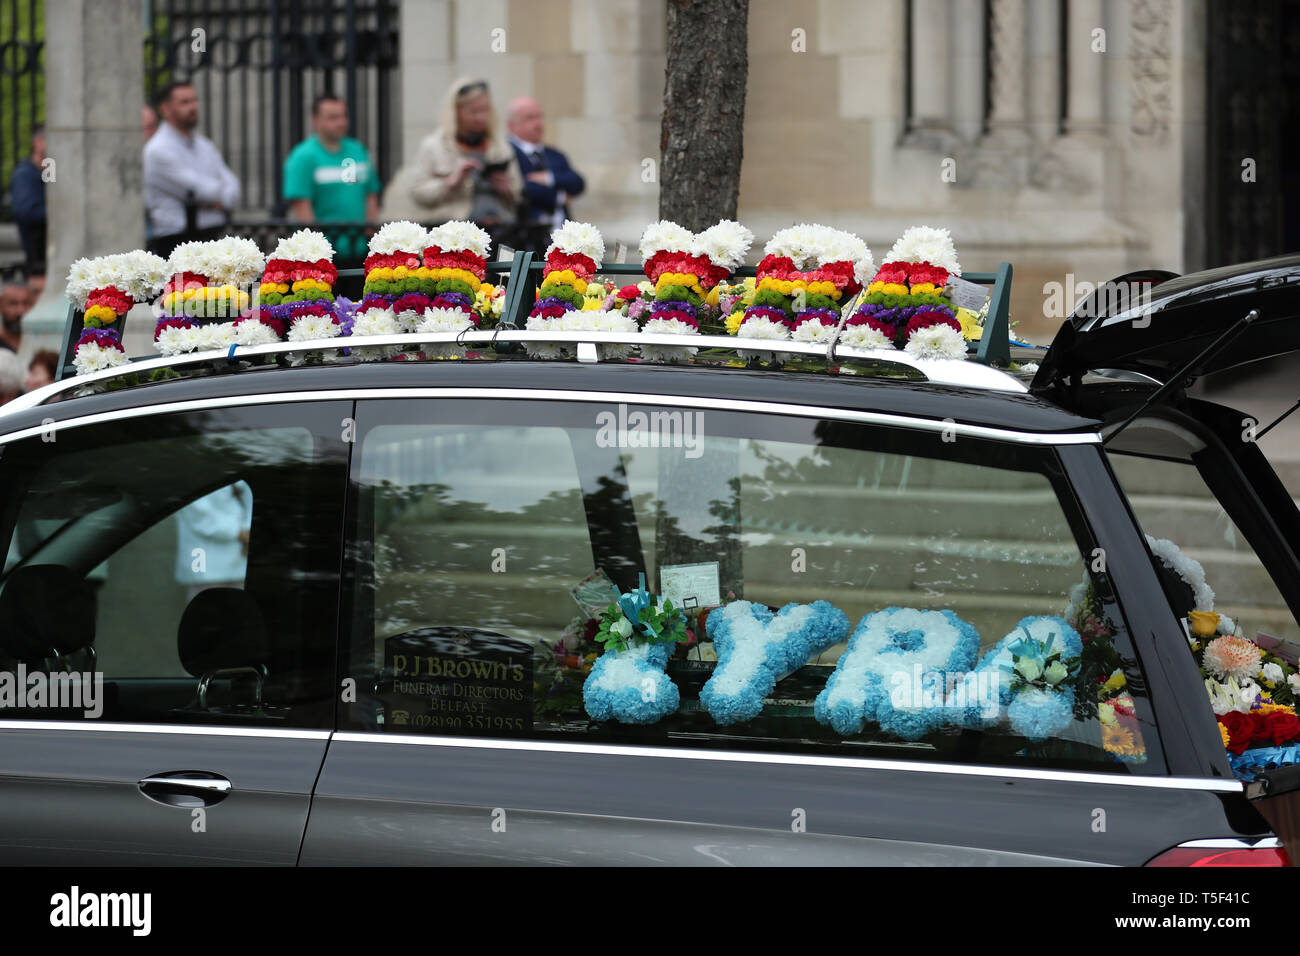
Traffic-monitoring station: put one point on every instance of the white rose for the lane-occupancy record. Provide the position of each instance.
(1029, 669)
(1055, 672)
(622, 627)
(1272, 672)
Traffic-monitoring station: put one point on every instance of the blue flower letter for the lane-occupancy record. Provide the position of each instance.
(1035, 666)
(756, 649)
(630, 685)
(895, 672)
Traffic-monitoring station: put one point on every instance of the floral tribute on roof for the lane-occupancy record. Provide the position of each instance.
(905, 306)
(684, 267)
(207, 292)
(807, 274)
(105, 289)
(569, 275)
(296, 295)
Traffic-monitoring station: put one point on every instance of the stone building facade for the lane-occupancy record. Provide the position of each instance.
(1067, 138)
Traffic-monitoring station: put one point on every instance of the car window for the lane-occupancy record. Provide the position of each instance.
(927, 574)
(1180, 513)
(188, 563)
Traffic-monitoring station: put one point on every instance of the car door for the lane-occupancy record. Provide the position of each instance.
(482, 532)
(174, 577)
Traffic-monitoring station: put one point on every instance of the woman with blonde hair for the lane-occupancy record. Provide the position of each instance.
(463, 169)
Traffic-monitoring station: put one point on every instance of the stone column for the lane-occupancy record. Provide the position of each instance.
(94, 87)
(967, 80)
(931, 111)
(1007, 68)
(1084, 90)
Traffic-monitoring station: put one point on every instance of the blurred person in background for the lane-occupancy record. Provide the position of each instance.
(36, 286)
(11, 376)
(27, 199)
(463, 169)
(329, 177)
(41, 370)
(549, 181)
(15, 300)
(148, 126)
(189, 190)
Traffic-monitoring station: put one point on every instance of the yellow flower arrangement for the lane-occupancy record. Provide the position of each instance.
(1114, 683)
(463, 275)
(971, 330)
(102, 313)
(1204, 623)
(683, 279)
(312, 285)
(890, 288)
(1118, 739)
(733, 322)
(268, 287)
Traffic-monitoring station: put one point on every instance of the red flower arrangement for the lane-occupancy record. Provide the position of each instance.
(582, 266)
(391, 260)
(686, 264)
(287, 270)
(435, 258)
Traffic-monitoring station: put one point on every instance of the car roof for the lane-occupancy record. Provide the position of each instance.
(1011, 410)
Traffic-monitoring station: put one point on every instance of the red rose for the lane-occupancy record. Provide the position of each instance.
(1241, 728)
(1279, 727)
(629, 292)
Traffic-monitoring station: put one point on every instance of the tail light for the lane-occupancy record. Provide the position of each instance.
(1265, 852)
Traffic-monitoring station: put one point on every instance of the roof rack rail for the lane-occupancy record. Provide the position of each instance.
(944, 372)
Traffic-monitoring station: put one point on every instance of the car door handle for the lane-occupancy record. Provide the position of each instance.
(186, 788)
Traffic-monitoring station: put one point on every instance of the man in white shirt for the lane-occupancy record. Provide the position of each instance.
(183, 167)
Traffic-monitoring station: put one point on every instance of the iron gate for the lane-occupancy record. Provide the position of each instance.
(257, 65)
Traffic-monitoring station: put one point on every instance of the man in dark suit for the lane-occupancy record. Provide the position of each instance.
(549, 181)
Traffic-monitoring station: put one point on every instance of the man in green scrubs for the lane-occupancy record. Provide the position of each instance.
(329, 177)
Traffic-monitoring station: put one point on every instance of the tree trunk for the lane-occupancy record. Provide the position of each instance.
(702, 137)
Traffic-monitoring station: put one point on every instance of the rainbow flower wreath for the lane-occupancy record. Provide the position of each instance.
(569, 298)
(896, 660)
(905, 306)
(1253, 692)
(627, 683)
(757, 648)
(105, 289)
(394, 272)
(296, 295)
(807, 274)
(206, 293)
(1034, 669)
(684, 267)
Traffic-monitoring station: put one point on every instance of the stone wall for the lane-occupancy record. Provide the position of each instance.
(1101, 190)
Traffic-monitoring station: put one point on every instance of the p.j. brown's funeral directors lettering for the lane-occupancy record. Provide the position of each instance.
(457, 680)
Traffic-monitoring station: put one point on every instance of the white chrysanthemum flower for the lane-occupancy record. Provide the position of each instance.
(305, 245)
(307, 328)
(578, 238)
(92, 357)
(864, 269)
(103, 272)
(725, 243)
(812, 331)
(444, 320)
(669, 327)
(252, 332)
(189, 257)
(865, 337)
(176, 341)
(149, 273)
(217, 335)
(1189, 569)
(400, 236)
(460, 236)
(234, 260)
(926, 244)
(79, 284)
(665, 236)
(375, 321)
(938, 341)
(762, 327)
(1029, 367)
